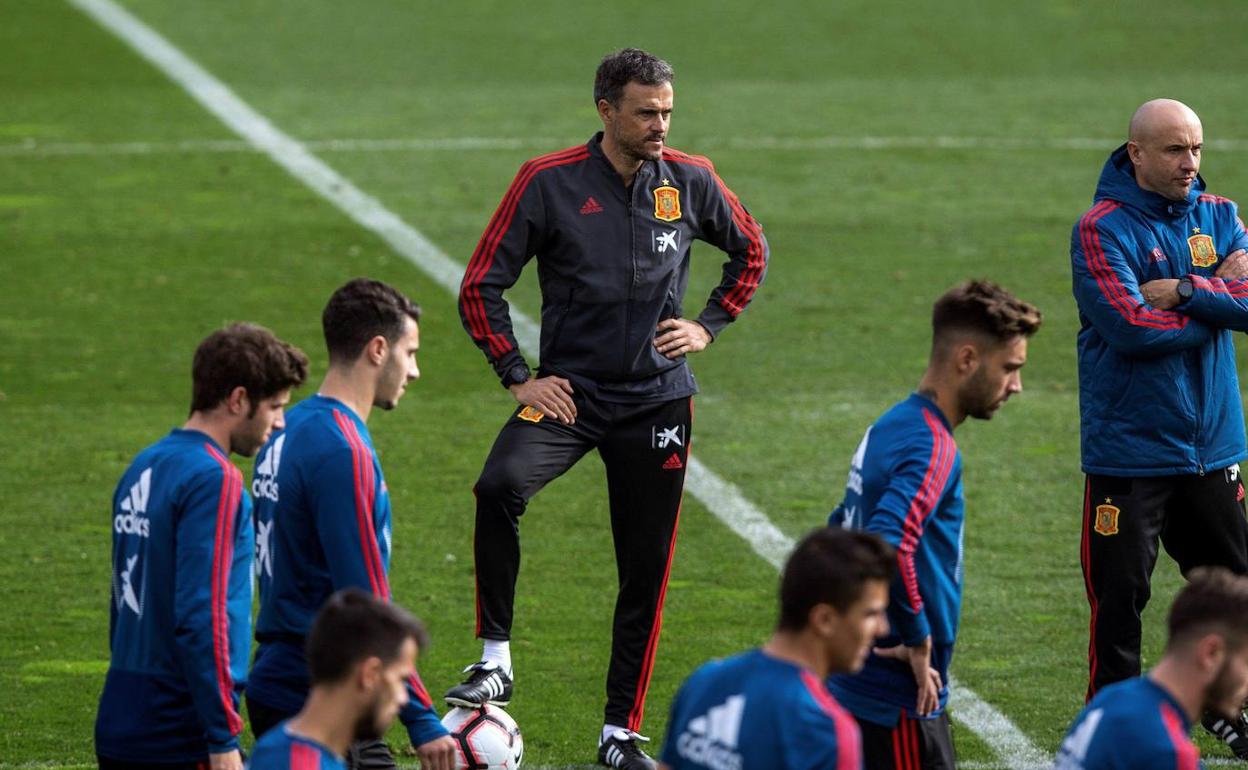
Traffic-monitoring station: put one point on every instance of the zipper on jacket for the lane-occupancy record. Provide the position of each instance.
(632, 278)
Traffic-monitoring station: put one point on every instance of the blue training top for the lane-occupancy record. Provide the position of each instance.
(1130, 725)
(322, 524)
(278, 749)
(756, 712)
(905, 485)
(180, 618)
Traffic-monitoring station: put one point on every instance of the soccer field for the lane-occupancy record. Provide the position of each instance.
(889, 152)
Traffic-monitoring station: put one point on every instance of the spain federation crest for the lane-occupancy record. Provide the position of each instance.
(529, 414)
(1203, 253)
(666, 203)
(1107, 519)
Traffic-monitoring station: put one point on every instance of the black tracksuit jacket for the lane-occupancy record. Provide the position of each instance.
(613, 261)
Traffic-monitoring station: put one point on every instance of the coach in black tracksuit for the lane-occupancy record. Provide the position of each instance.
(611, 223)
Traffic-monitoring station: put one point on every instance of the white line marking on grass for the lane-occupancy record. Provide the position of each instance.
(720, 497)
(32, 147)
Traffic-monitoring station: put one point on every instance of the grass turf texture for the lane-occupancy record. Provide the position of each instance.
(116, 265)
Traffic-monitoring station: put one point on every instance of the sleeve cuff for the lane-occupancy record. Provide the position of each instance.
(425, 728)
(215, 747)
(714, 318)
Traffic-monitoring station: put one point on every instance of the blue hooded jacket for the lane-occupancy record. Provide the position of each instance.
(1158, 389)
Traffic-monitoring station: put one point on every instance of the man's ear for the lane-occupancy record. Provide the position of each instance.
(966, 358)
(237, 402)
(605, 110)
(823, 619)
(376, 350)
(368, 673)
(1133, 152)
(1211, 652)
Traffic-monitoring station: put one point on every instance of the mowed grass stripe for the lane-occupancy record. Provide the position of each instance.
(720, 497)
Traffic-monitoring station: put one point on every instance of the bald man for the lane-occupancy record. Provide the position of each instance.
(1159, 271)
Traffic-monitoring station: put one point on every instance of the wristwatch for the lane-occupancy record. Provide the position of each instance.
(516, 375)
(1184, 289)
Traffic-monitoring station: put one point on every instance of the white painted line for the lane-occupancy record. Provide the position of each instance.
(34, 148)
(720, 497)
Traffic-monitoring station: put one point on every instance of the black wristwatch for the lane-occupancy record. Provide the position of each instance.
(1184, 289)
(516, 375)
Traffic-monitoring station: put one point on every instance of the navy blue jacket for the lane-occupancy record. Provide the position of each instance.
(1131, 725)
(1158, 390)
(180, 620)
(905, 485)
(322, 524)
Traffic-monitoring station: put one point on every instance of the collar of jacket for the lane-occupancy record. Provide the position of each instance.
(595, 149)
(1118, 183)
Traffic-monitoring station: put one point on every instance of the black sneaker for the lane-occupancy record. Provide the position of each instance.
(487, 682)
(621, 750)
(1233, 734)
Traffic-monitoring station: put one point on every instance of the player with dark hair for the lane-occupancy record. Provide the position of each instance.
(611, 223)
(180, 619)
(323, 511)
(769, 709)
(905, 485)
(360, 652)
(1160, 275)
(1143, 723)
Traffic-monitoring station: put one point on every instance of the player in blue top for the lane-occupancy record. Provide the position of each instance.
(360, 653)
(905, 484)
(323, 511)
(180, 618)
(1143, 723)
(769, 708)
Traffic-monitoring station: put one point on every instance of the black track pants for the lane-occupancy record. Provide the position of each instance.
(645, 448)
(1198, 518)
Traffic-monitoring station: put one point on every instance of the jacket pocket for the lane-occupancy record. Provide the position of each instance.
(560, 321)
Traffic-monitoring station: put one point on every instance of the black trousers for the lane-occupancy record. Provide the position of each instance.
(913, 744)
(363, 755)
(645, 448)
(1198, 518)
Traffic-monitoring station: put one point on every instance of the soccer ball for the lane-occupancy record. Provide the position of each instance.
(486, 738)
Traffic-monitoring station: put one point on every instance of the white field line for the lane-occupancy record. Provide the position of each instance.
(720, 497)
(34, 148)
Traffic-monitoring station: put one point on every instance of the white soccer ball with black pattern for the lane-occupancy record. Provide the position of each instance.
(486, 738)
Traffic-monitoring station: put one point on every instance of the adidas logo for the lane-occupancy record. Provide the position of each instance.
(673, 463)
(132, 521)
(265, 483)
(711, 739)
(591, 206)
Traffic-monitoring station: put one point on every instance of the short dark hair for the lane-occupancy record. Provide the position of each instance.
(1215, 600)
(360, 310)
(984, 308)
(353, 626)
(629, 65)
(830, 566)
(248, 355)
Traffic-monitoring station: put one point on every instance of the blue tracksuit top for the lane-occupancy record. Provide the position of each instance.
(1158, 390)
(905, 485)
(322, 524)
(278, 749)
(1130, 725)
(756, 712)
(180, 616)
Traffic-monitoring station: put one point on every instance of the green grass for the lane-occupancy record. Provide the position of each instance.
(113, 266)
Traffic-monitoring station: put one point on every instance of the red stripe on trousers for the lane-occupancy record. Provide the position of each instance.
(1085, 554)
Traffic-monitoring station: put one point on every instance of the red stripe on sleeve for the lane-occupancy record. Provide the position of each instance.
(736, 298)
(1137, 314)
(222, 560)
(848, 735)
(422, 693)
(1186, 755)
(939, 464)
(1234, 288)
(1216, 199)
(365, 493)
(304, 757)
(483, 256)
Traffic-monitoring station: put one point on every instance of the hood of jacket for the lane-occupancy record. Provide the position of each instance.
(1117, 183)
